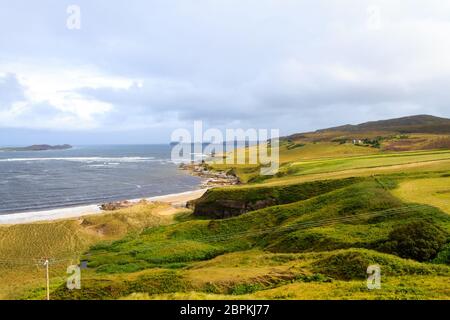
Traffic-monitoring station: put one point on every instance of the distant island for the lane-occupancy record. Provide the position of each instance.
(38, 147)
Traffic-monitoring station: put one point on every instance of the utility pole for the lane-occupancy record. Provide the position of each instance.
(46, 263)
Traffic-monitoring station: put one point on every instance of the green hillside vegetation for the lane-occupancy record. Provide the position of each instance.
(415, 133)
(227, 202)
(301, 168)
(336, 206)
(23, 246)
(256, 274)
(325, 238)
(411, 124)
(433, 191)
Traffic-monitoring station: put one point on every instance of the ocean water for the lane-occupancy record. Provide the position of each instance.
(40, 180)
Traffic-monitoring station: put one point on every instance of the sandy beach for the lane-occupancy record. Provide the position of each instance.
(176, 200)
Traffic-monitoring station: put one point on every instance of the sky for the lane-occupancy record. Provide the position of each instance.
(118, 72)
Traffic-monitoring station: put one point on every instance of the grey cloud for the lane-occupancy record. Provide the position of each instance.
(295, 65)
(160, 99)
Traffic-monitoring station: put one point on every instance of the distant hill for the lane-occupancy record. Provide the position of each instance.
(411, 124)
(421, 132)
(38, 147)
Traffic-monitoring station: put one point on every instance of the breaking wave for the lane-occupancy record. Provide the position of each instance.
(85, 159)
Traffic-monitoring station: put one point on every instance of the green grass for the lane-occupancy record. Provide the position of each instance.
(333, 165)
(289, 154)
(352, 264)
(393, 288)
(332, 161)
(226, 202)
(303, 237)
(438, 166)
(432, 191)
(257, 274)
(23, 246)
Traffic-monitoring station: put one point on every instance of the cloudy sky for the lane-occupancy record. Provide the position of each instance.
(136, 70)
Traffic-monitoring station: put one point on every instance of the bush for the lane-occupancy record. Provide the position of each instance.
(444, 255)
(352, 264)
(418, 240)
(347, 265)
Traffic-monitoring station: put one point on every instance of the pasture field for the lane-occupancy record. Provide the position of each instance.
(297, 165)
(433, 191)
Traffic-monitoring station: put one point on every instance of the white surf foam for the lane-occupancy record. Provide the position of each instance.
(84, 159)
(75, 212)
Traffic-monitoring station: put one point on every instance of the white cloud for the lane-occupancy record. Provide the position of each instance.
(47, 97)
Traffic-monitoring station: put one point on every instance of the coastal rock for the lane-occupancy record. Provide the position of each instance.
(220, 203)
(230, 208)
(210, 178)
(111, 206)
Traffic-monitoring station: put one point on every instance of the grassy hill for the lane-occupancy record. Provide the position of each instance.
(326, 240)
(23, 247)
(402, 134)
(308, 232)
(411, 124)
(367, 146)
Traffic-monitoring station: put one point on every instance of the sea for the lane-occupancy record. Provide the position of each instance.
(83, 175)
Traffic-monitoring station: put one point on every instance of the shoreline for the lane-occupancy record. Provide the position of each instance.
(174, 199)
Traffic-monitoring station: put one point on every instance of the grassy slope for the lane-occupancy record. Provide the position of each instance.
(307, 248)
(256, 274)
(23, 246)
(308, 151)
(322, 159)
(217, 202)
(432, 191)
(395, 288)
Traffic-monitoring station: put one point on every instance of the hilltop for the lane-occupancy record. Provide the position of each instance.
(403, 125)
(411, 124)
(420, 132)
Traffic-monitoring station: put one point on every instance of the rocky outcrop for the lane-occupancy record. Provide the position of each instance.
(210, 178)
(116, 205)
(220, 203)
(229, 208)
